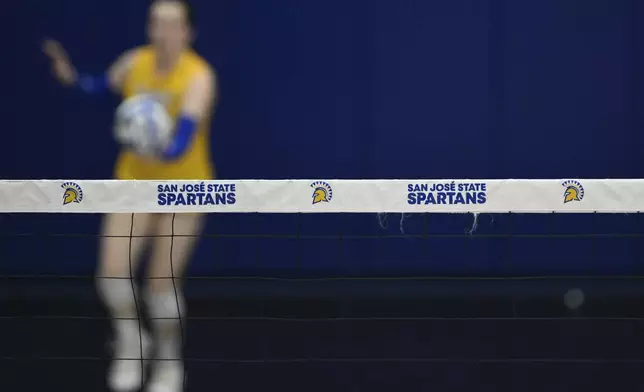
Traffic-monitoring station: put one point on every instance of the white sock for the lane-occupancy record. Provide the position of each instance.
(167, 314)
(119, 298)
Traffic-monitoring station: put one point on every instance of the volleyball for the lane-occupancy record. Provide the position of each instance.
(143, 124)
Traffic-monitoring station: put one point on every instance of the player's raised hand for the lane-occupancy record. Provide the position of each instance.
(61, 66)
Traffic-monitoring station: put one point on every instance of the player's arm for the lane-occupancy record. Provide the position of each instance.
(197, 105)
(65, 72)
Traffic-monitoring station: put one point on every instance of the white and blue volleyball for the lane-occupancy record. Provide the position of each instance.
(143, 124)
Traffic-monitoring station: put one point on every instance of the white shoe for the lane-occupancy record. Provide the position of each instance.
(127, 370)
(167, 376)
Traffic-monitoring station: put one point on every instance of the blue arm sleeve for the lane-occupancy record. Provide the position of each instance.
(185, 129)
(93, 84)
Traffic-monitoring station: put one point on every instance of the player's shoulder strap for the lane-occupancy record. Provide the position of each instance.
(199, 63)
(125, 67)
(140, 53)
(120, 71)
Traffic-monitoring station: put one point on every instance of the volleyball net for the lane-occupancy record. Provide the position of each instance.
(350, 227)
(286, 260)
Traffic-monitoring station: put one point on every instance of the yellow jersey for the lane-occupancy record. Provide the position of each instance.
(142, 78)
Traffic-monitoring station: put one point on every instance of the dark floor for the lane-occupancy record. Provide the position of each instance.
(251, 335)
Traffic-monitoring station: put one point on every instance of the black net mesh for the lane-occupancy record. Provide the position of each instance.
(348, 302)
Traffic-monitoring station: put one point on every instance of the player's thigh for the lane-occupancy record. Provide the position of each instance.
(123, 237)
(177, 236)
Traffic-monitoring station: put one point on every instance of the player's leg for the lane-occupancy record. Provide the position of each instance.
(164, 295)
(122, 243)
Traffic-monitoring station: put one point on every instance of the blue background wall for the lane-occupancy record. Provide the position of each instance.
(355, 89)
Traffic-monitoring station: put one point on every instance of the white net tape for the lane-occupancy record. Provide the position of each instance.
(325, 196)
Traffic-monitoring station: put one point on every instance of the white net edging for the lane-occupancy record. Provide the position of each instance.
(324, 196)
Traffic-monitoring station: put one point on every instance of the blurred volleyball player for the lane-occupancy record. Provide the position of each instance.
(184, 81)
